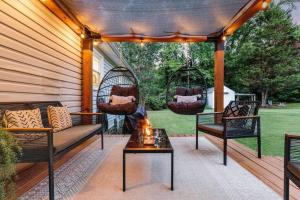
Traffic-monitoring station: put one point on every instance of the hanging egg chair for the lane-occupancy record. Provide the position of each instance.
(186, 91)
(118, 93)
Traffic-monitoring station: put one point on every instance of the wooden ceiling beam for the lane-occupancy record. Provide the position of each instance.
(244, 15)
(146, 39)
(58, 9)
(248, 11)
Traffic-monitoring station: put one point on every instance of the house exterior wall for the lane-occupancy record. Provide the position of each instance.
(105, 65)
(40, 56)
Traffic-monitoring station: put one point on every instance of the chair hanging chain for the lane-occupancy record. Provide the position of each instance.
(186, 51)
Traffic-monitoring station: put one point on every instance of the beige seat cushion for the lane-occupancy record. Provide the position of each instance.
(67, 137)
(216, 129)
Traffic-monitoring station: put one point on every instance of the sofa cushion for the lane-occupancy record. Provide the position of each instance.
(67, 137)
(59, 118)
(193, 91)
(23, 119)
(218, 130)
(120, 109)
(186, 108)
(181, 91)
(124, 91)
(215, 129)
(294, 168)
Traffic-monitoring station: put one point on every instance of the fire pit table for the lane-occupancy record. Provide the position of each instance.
(156, 142)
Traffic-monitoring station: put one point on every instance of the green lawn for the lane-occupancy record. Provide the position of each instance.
(275, 122)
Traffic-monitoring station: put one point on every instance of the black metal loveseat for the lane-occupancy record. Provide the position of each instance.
(291, 162)
(41, 144)
(239, 120)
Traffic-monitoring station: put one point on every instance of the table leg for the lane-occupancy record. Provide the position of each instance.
(172, 171)
(124, 171)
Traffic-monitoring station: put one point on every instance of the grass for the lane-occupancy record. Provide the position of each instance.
(275, 122)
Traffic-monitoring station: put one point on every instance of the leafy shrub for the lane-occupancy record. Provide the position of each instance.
(9, 151)
(155, 103)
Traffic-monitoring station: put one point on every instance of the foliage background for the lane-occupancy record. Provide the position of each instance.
(262, 57)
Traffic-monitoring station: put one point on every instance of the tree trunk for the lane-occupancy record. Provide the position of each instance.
(264, 98)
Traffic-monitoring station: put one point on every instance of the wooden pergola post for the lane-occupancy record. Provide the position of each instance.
(87, 78)
(219, 76)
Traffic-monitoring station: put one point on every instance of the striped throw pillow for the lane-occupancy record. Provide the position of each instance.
(59, 118)
(23, 119)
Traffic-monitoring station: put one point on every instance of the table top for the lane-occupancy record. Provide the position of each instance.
(161, 144)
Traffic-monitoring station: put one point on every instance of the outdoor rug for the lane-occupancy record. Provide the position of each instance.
(94, 174)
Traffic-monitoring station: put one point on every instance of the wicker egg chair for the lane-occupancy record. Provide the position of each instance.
(119, 81)
(186, 81)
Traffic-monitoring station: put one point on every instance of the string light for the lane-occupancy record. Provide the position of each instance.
(265, 4)
(82, 35)
(142, 43)
(95, 42)
(224, 38)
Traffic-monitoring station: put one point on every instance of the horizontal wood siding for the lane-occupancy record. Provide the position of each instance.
(40, 56)
(107, 65)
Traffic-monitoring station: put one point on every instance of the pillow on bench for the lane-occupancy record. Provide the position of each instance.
(23, 119)
(59, 118)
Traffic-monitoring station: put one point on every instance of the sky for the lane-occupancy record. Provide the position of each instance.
(296, 13)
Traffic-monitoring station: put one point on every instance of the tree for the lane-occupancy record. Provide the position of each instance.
(143, 61)
(262, 56)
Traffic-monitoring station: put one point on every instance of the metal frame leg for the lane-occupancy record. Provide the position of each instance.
(225, 152)
(124, 171)
(258, 139)
(286, 188)
(102, 142)
(50, 166)
(172, 171)
(197, 136)
(259, 146)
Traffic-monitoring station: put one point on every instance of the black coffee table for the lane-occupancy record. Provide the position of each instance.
(135, 145)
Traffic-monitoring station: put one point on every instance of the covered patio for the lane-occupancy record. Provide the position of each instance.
(52, 50)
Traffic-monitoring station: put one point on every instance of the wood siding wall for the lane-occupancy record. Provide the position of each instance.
(40, 56)
(106, 65)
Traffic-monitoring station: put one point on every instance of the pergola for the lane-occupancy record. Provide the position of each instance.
(155, 21)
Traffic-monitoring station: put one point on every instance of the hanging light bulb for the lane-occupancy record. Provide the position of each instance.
(96, 42)
(224, 38)
(82, 35)
(142, 43)
(265, 5)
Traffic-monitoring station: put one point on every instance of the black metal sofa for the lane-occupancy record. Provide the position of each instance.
(239, 120)
(41, 144)
(291, 162)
